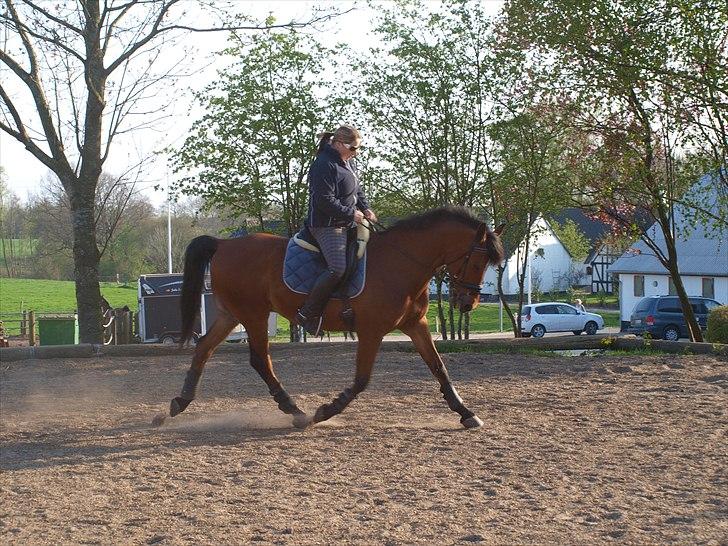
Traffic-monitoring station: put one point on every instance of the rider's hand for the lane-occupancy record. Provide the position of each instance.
(369, 215)
(358, 216)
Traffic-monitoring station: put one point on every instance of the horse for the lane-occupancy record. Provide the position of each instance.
(247, 282)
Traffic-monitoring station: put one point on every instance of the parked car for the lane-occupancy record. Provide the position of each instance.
(662, 316)
(539, 318)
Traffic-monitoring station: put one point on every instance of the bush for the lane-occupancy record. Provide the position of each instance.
(717, 331)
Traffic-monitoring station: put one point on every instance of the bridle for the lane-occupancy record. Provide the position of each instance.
(457, 280)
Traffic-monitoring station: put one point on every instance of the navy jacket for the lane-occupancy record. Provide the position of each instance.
(334, 191)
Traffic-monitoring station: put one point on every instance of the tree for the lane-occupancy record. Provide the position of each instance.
(426, 105)
(533, 178)
(624, 65)
(120, 211)
(14, 243)
(251, 151)
(572, 238)
(92, 70)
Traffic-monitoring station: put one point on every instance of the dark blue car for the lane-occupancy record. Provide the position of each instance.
(662, 316)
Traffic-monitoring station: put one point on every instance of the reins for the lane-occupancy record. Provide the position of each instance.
(473, 247)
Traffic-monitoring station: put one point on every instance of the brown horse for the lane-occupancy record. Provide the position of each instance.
(247, 280)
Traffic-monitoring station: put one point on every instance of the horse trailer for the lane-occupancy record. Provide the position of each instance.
(160, 318)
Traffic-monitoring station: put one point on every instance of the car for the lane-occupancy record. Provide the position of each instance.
(539, 318)
(662, 316)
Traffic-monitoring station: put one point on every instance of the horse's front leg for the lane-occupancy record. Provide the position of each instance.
(366, 353)
(420, 335)
(261, 362)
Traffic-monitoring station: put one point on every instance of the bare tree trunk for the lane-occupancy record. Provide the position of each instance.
(514, 325)
(86, 267)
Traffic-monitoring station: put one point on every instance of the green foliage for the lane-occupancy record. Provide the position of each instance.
(572, 238)
(252, 148)
(717, 331)
(425, 98)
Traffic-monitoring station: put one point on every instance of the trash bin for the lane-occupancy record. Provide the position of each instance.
(58, 330)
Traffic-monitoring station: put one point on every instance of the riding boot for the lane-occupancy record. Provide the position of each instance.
(310, 315)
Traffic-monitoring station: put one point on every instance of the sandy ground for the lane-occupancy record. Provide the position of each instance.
(587, 450)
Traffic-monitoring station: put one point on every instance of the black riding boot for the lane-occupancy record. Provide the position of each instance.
(310, 315)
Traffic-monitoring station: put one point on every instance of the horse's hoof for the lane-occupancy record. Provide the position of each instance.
(302, 421)
(472, 422)
(158, 420)
(177, 406)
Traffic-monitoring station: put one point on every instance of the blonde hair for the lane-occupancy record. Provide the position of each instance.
(348, 134)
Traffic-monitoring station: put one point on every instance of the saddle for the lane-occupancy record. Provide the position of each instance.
(304, 263)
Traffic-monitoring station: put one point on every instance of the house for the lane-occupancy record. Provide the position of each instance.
(702, 258)
(551, 265)
(601, 254)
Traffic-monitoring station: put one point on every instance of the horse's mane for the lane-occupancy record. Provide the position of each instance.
(427, 219)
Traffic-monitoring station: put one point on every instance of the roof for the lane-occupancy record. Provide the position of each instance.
(594, 230)
(702, 251)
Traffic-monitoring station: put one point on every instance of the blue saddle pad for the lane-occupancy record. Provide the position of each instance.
(302, 267)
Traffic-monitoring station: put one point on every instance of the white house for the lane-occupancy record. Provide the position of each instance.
(601, 254)
(702, 259)
(550, 264)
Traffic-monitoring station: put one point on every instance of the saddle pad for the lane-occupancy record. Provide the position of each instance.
(302, 267)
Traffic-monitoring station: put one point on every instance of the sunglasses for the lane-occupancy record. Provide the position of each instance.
(351, 147)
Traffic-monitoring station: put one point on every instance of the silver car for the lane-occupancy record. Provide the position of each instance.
(539, 318)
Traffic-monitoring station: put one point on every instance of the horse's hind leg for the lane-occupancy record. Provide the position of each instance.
(365, 355)
(420, 335)
(261, 362)
(206, 345)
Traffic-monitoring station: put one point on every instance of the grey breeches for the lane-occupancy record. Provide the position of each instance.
(332, 241)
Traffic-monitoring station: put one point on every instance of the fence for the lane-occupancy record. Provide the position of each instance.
(120, 326)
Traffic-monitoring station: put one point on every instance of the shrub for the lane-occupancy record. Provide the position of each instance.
(717, 331)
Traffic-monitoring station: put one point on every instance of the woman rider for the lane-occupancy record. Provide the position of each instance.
(335, 203)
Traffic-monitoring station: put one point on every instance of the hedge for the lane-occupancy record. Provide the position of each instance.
(717, 331)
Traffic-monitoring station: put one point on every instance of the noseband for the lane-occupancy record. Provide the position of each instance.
(457, 280)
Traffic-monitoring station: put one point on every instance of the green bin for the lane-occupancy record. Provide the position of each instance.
(58, 330)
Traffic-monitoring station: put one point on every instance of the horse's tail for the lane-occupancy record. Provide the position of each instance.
(494, 246)
(198, 254)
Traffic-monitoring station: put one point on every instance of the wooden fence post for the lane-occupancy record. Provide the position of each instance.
(129, 326)
(24, 324)
(116, 326)
(31, 328)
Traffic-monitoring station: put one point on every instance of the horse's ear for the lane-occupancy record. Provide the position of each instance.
(482, 230)
(499, 229)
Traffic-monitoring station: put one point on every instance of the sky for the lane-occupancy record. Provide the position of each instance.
(24, 172)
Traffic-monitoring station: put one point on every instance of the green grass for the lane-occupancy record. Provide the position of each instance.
(43, 296)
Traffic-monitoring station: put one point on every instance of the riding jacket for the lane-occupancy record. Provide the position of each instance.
(334, 191)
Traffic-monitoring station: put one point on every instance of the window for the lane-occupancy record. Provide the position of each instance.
(547, 310)
(639, 285)
(708, 287)
(671, 287)
(567, 310)
(710, 304)
(669, 305)
(643, 305)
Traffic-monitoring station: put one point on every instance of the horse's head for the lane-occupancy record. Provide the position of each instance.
(467, 272)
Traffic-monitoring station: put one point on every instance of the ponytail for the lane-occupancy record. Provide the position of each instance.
(324, 139)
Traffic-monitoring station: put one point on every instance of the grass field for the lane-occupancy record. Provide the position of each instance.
(44, 296)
